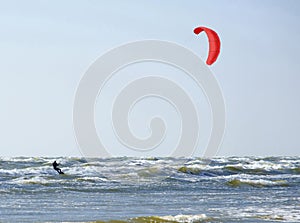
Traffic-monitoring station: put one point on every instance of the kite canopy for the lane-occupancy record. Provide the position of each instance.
(214, 43)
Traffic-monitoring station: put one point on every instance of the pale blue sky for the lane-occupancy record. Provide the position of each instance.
(46, 46)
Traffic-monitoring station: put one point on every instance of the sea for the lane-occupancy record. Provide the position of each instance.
(136, 190)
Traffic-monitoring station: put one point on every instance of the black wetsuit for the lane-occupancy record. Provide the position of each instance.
(55, 166)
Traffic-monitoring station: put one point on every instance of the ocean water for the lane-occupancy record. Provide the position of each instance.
(234, 189)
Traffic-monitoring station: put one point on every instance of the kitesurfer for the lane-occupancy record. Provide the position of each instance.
(55, 166)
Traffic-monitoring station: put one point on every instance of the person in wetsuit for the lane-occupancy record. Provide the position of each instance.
(55, 166)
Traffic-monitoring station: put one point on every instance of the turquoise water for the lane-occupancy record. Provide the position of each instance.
(236, 189)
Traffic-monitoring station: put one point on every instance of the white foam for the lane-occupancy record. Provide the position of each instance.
(185, 218)
(281, 214)
(32, 180)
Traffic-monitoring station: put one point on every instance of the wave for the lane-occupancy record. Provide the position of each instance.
(31, 170)
(257, 183)
(92, 179)
(251, 166)
(203, 218)
(164, 219)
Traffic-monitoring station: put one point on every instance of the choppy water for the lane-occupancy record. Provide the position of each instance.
(247, 189)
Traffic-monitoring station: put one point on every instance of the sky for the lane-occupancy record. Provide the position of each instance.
(46, 47)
